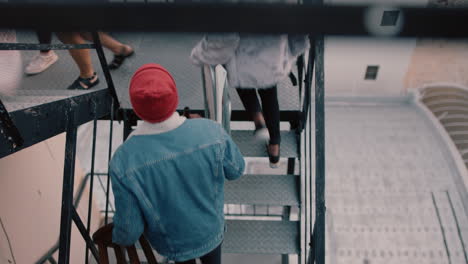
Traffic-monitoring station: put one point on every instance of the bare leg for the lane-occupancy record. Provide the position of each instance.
(109, 42)
(258, 119)
(81, 57)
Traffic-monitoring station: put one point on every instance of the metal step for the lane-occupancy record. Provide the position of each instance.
(15, 103)
(171, 50)
(263, 190)
(254, 148)
(261, 237)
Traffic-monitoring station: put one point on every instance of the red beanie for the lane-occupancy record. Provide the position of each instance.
(153, 93)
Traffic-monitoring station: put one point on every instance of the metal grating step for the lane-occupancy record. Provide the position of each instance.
(261, 237)
(22, 102)
(172, 50)
(253, 148)
(263, 190)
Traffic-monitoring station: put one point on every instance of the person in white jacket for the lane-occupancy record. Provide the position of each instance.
(255, 63)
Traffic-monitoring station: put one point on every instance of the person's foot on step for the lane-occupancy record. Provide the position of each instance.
(273, 155)
(41, 62)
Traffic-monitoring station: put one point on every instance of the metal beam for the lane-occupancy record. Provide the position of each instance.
(41, 122)
(105, 69)
(31, 46)
(308, 83)
(111, 129)
(67, 188)
(9, 130)
(91, 185)
(236, 115)
(254, 18)
(319, 228)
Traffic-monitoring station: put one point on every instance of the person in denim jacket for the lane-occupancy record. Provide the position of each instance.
(168, 177)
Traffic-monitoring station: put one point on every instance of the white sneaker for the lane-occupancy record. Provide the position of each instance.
(262, 134)
(41, 62)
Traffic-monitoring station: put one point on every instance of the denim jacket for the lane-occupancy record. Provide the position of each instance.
(168, 183)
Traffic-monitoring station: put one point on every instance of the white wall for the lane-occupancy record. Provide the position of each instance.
(30, 202)
(346, 59)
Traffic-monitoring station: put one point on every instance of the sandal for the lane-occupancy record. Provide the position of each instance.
(274, 160)
(119, 59)
(78, 83)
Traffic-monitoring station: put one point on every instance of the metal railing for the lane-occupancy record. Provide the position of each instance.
(216, 95)
(314, 20)
(72, 118)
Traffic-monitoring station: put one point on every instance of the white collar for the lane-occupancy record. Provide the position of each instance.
(169, 124)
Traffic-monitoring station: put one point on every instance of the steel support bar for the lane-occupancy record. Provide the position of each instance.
(41, 122)
(246, 17)
(84, 233)
(319, 228)
(9, 130)
(91, 185)
(105, 69)
(236, 115)
(33, 46)
(300, 73)
(111, 129)
(308, 83)
(127, 129)
(67, 189)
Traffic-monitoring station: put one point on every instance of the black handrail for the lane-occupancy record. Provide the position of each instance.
(91, 183)
(308, 83)
(72, 119)
(319, 225)
(34, 46)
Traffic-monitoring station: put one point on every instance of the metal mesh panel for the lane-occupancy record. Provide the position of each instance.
(267, 237)
(253, 148)
(263, 190)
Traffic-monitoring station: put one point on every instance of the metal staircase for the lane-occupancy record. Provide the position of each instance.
(250, 234)
(28, 124)
(264, 236)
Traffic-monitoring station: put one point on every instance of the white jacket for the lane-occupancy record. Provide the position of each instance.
(251, 60)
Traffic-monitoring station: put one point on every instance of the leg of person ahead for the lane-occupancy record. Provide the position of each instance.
(45, 58)
(121, 51)
(271, 111)
(44, 37)
(214, 257)
(251, 104)
(82, 58)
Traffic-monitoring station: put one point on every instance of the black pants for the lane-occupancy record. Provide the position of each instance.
(45, 37)
(214, 257)
(270, 108)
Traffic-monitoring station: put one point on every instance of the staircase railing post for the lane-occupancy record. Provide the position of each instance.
(105, 69)
(91, 181)
(111, 129)
(8, 128)
(67, 189)
(308, 82)
(319, 229)
(216, 95)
